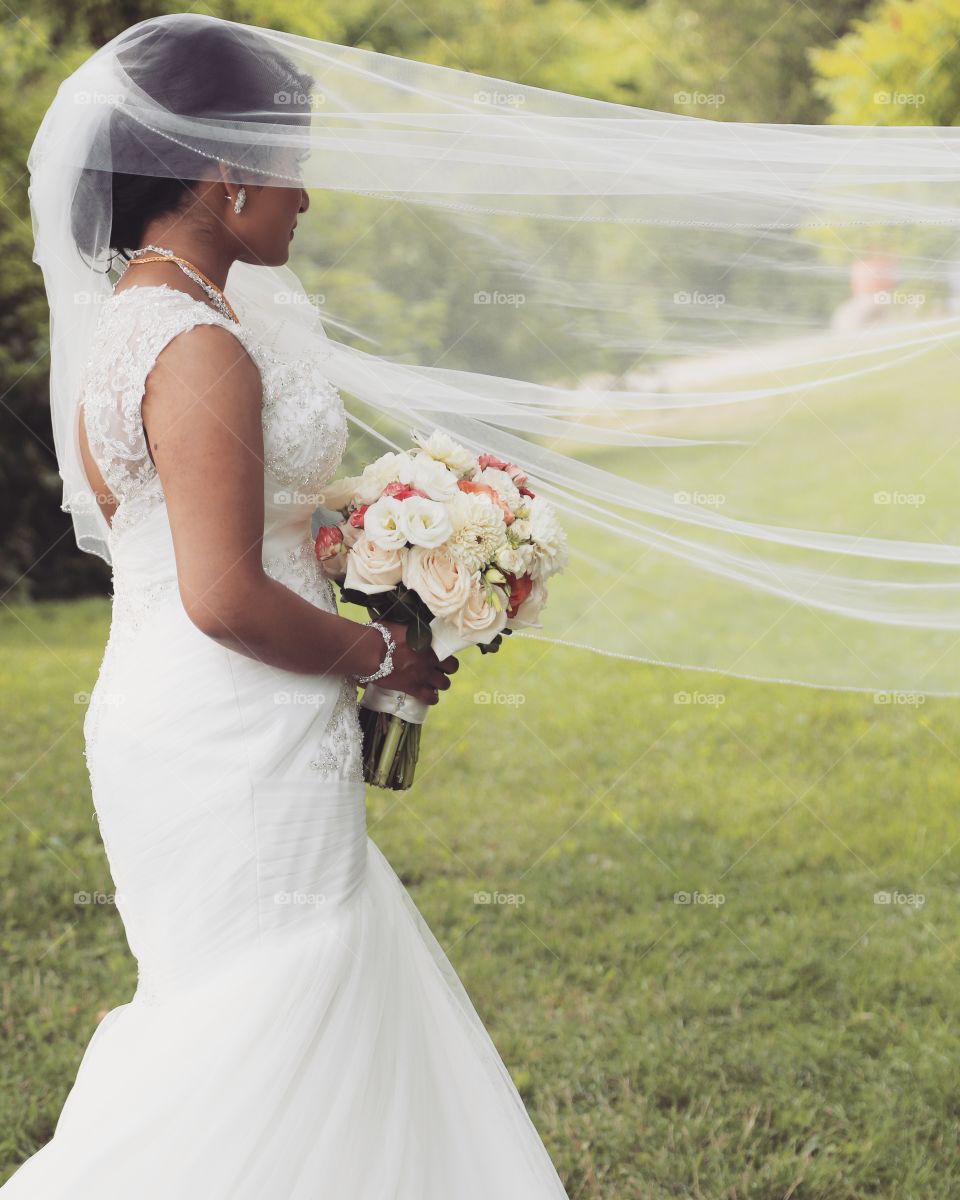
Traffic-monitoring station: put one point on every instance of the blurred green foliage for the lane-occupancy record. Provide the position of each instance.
(751, 60)
(901, 66)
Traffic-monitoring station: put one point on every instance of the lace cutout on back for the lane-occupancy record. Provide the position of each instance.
(304, 423)
(126, 346)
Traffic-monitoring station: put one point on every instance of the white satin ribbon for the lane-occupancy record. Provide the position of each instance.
(389, 700)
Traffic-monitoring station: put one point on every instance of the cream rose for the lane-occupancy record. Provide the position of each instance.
(340, 492)
(477, 615)
(372, 568)
(440, 581)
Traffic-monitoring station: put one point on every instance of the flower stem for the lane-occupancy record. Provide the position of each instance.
(388, 753)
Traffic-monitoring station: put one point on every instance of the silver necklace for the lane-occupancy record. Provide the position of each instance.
(212, 291)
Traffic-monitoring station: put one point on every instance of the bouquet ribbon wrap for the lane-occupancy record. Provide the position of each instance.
(389, 700)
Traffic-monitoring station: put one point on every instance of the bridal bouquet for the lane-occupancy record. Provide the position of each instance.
(453, 544)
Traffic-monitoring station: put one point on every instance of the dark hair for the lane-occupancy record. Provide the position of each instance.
(196, 66)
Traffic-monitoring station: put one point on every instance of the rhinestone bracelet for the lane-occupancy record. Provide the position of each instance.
(387, 665)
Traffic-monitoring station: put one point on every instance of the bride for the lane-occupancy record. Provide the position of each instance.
(296, 1029)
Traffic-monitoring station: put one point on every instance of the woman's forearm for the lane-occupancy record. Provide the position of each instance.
(271, 623)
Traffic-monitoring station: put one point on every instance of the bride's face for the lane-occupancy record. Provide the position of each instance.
(265, 226)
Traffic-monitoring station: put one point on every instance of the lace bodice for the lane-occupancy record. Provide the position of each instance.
(304, 426)
(304, 437)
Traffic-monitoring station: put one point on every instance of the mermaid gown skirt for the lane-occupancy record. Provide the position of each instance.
(297, 1031)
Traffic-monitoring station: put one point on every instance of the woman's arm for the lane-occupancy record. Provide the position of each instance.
(202, 414)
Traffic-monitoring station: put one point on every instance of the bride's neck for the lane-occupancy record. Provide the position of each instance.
(210, 260)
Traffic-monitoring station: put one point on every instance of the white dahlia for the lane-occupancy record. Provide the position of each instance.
(548, 538)
(478, 530)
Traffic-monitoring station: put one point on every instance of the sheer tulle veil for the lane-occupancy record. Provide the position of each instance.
(651, 313)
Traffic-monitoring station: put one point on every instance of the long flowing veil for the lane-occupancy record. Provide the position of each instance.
(724, 351)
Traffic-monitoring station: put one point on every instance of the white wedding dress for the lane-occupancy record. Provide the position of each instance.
(297, 1032)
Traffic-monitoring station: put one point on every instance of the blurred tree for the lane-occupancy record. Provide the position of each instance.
(746, 62)
(38, 555)
(901, 66)
(741, 62)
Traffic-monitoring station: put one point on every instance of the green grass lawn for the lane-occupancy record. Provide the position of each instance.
(790, 1037)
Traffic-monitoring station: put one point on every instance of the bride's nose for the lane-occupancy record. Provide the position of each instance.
(304, 200)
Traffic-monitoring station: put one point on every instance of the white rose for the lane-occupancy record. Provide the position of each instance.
(526, 615)
(340, 492)
(440, 582)
(372, 568)
(521, 528)
(442, 447)
(429, 476)
(516, 559)
(376, 475)
(384, 524)
(425, 522)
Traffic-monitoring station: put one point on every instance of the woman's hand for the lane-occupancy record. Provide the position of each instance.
(419, 673)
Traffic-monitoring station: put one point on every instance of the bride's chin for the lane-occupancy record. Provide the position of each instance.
(272, 260)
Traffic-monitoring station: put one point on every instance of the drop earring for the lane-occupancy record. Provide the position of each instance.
(241, 199)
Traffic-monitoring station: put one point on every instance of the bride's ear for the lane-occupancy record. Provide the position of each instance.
(223, 177)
